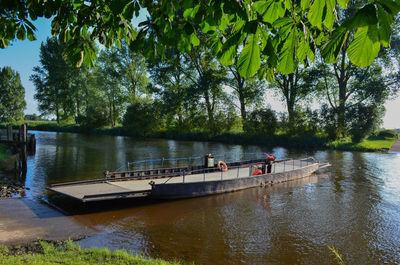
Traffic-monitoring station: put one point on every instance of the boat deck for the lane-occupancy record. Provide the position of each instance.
(116, 189)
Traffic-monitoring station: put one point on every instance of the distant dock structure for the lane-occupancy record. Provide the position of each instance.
(19, 138)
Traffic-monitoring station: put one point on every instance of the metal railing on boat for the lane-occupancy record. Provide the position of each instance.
(235, 171)
(187, 161)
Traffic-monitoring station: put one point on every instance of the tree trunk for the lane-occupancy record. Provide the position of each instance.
(57, 114)
(210, 112)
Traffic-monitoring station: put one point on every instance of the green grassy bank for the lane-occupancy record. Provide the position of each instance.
(69, 253)
(373, 143)
(3, 149)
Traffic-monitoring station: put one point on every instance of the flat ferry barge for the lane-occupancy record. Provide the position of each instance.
(189, 180)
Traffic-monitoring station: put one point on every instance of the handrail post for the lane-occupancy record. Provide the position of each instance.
(274, 167)
(237, 172)
(221, 173)
(184, 176)
(204, 174)
(293, 164)
(284, 166)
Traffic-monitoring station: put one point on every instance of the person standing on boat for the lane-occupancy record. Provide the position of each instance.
(269, 161)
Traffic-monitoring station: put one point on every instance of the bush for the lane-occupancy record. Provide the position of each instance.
(261, 122)
(96, 117)
(387, 134)
(329, 122)
(143, 118)
(363, 120)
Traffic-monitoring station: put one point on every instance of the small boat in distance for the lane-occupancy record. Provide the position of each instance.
(210, 177)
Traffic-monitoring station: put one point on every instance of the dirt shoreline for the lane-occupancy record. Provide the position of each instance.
(23, 221)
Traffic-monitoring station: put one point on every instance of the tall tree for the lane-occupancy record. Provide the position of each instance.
(12, 95)
(52, 81)
(171, 83)
(133, 71)
(347, 85)
(248, 91)
(207, 81)
(109, 80)
(295, 87)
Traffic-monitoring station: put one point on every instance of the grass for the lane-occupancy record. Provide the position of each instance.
(3, 149)
(70, 253)
(372, 143)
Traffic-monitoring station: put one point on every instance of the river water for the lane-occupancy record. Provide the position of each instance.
(353, 206)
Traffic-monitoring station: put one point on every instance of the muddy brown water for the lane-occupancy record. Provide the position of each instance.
(353, 206)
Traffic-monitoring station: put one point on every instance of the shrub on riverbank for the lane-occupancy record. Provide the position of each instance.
(69, 253)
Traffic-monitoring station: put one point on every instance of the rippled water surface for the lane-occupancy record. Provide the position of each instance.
(353, 206)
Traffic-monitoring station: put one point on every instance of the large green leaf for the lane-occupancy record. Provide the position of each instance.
(261, 6)
(330, 15)
(332, 48)
(385, 20)
(287, 56)
(365, 46)
(228, 50)
(305, 4)
(274, 11)
(249, 61)
(316, 12)
(342, 3)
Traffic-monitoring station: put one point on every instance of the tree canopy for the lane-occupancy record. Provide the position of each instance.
(284, 33)
(12, 95)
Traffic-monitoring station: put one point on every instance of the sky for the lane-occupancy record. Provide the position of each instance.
(23, 56)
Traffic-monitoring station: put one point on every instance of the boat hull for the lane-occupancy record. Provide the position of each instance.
(197, 189)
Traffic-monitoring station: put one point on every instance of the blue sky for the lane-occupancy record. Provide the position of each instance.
(22, 56)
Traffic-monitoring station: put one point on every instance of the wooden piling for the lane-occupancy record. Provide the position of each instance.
(22, 133)
(9, 133)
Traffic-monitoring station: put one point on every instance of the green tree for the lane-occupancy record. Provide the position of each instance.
(248, 91)
(207, 81)
(347, 85)
(143, 118)
(293, 88)
(12, 96)
(172, 85)
(55, 92)
(285, 33)
(132, 69)
(261, 122)
(109, 81)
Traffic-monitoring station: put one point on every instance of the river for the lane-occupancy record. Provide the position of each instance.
(353, 206)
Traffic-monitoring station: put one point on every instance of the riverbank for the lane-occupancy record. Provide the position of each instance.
(42, 252)
(371, 144)
(10, 184)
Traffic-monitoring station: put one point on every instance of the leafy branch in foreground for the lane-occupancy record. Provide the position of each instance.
(283, 33)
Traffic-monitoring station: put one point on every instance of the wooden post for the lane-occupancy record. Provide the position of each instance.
(22, 133)
(9, 133)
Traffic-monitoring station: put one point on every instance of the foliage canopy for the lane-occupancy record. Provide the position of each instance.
(284, 33)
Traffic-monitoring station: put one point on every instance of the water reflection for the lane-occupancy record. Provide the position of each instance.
(353, 205)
